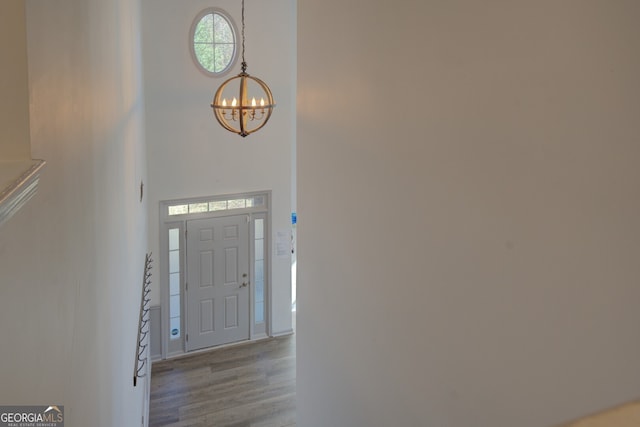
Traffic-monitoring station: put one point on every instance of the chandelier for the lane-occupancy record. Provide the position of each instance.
(243, 104)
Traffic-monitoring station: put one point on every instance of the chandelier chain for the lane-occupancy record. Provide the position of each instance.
(244, 63)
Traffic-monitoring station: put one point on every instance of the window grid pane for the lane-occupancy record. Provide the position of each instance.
(198, 207)
(174, 306)
(236, 204)
(205, 55)
(174, 261)
(259, 229)
(174, 284)
(223, 54)
(204, 30)
(223, 31)
(178, 210)
(218, 206)
(259, 291)
(259, 313)
(259, 250)
(174, 239)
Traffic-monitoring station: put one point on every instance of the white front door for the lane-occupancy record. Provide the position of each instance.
(217, 281)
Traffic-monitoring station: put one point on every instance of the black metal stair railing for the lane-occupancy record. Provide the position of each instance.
(142, 357)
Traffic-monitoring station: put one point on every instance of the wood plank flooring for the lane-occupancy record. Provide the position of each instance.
(247, 385)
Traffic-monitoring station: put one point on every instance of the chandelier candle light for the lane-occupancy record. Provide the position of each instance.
(251, 109)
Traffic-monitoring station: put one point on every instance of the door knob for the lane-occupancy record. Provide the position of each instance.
(244, 284)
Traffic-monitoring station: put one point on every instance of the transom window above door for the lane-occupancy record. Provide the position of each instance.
(212, 41)
(218, 204)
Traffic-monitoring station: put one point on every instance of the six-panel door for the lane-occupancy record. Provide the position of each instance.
(217, 294)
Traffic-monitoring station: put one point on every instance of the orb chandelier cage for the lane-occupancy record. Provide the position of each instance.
(243, 104)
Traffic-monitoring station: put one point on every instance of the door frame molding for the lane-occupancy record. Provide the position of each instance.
(177, 348)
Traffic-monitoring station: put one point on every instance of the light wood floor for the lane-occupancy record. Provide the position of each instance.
(248, 385)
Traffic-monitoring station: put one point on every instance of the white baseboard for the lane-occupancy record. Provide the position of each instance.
(282, 333)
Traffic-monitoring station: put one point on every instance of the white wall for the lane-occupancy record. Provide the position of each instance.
(468, 211)
(71, 261)
(189, 154)
(14, 102)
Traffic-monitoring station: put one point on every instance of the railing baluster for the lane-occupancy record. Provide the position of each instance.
(140, 368)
